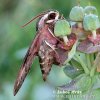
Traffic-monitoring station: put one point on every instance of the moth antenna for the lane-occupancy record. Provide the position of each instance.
(33, 19)
(62, 17)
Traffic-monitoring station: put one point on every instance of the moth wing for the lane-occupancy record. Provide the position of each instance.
(31, 53)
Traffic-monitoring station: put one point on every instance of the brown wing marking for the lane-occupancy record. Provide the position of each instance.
(31, 53)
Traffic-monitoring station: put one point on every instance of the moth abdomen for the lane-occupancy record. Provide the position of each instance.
(46, 59)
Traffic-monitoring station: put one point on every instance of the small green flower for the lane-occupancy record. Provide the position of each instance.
(91, 23)
(90, 10)
(77, 13)
(62, 28)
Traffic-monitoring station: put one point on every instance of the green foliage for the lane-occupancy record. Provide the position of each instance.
(72, 71)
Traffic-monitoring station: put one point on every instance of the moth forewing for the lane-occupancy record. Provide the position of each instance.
(31, 53)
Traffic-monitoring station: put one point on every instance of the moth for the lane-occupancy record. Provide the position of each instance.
(46, 46)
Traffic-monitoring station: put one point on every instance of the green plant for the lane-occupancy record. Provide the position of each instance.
(83, 66)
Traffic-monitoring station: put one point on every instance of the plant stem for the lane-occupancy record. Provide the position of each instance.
(83, 64)
(88, 61)
(95, 65)
(94, 34)
(92, 59)
(80, 25)
(93, 71)
(65, 39)
(89, 3)
(78, 2)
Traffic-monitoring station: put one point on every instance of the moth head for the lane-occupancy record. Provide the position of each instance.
(47, 17)
(51, 16)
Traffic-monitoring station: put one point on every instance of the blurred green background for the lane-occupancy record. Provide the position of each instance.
(14, 42)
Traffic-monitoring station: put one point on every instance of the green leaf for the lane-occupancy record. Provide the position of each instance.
(72, 71)
(96, 81)
(81, 58)
(71, 53)
(96, 94)
(81, 55)
(89, 95)
(75, 63)
(97, 61)
(82, 83)
(96, 64)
